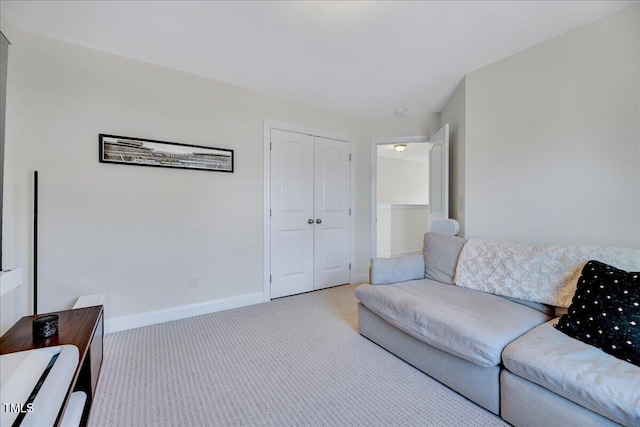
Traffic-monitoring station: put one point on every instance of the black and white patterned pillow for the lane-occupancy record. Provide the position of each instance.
(605, 311)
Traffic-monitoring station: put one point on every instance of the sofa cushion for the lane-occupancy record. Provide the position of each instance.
(605, 311)
(472, 325)
(391, 270)
(577, 371)
(441, 254)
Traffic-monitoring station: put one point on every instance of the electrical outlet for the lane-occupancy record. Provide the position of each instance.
(194, 281)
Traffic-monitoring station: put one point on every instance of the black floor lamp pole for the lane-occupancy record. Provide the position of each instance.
(35, 242)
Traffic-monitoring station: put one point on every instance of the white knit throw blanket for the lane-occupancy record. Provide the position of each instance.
(541, 273)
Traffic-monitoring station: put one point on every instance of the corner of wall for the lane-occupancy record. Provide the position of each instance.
(454, 113)
(6, 29)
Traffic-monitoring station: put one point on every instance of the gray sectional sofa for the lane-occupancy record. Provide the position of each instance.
(457, 313)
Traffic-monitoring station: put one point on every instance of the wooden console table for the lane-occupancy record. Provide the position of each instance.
(82, 327)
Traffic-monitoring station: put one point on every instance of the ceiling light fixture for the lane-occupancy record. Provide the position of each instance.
(400, 147)
(400, 111)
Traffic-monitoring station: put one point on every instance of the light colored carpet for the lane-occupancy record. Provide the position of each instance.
(295, 361)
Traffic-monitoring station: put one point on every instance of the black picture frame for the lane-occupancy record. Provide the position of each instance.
(126, 150)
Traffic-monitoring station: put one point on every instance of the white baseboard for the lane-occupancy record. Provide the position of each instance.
(131, 321)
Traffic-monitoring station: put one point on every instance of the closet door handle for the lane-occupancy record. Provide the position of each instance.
(310, 221)
(318, 221)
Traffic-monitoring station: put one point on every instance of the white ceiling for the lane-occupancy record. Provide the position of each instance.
(360, 58)
(415, 152)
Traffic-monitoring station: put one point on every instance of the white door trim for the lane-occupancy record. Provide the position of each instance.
(443, 189)
(272, 124)
(374, 179)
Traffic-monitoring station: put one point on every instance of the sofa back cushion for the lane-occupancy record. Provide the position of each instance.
(441, 252)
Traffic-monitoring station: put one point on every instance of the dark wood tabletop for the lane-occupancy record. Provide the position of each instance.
(74, 327)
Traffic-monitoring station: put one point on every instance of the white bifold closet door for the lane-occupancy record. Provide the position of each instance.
(310, 213)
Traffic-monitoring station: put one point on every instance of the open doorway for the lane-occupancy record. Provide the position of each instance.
(399, 195)
(437, 168)
(402, 198)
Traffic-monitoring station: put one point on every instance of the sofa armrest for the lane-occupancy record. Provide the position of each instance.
(392, 270)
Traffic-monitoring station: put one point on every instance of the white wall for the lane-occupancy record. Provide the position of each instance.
(400, 229)
(383, 231)
(552, 140)
(135, 233)
(454, 113)
(408, 225)
(402, 181)
(138, 233)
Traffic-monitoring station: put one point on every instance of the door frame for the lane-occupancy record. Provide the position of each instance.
(272, 124)
(387, 140)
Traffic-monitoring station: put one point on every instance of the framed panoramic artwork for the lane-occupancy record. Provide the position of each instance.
(148, 152)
